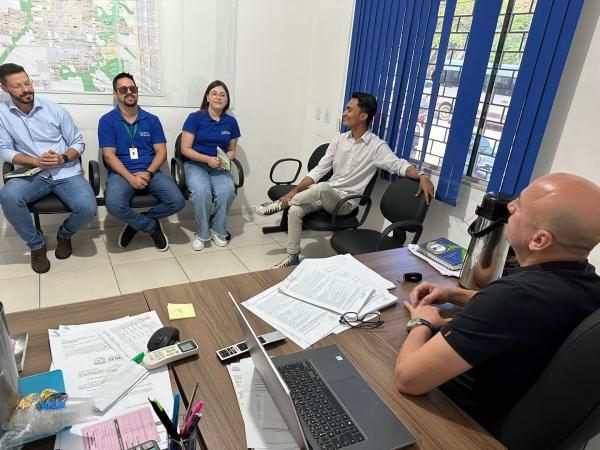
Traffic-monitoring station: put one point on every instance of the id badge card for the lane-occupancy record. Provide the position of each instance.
(133, 153)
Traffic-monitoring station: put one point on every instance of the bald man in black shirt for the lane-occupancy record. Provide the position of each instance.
(488, 356)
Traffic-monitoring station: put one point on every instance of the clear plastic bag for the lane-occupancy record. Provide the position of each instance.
(45, 414)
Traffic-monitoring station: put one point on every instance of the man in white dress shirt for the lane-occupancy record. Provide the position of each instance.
(354, 157)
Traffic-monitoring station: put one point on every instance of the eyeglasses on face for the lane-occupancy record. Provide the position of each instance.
(214, 94)
(367, 321)
(123, 89)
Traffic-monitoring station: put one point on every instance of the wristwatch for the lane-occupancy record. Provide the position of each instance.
(65, 158)
(150, 173)
(414, 323)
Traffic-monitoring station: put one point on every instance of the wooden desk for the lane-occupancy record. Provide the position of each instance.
(37, 323)
(435, 421)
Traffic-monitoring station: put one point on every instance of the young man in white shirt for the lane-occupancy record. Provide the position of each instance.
(354, 157)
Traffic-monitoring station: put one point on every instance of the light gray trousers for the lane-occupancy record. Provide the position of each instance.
(318, 196)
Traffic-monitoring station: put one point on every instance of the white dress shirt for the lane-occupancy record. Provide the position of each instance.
(355, 161)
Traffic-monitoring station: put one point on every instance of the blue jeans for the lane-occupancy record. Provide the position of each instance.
(74, 191)
(119, 193)
(205, 183)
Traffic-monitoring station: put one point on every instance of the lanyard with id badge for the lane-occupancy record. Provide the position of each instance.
(133, 151)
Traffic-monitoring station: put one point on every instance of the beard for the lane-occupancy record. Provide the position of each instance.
(130, 100)
(25, 98)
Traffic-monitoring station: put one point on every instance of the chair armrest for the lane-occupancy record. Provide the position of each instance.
(412, 226)
(7, 167)
(177, 173)
(240, 173)
(365, 198)
(279, 161)
(94, 176)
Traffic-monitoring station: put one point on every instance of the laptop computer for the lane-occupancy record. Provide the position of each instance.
(322, 398)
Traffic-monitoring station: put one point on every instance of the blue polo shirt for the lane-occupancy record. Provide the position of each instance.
(209, 133)
(112, 133)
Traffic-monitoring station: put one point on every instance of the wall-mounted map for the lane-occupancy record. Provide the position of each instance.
(78, 46)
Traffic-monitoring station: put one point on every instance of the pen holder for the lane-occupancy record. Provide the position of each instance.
(189, 443)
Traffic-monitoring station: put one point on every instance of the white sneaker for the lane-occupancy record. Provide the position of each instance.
(198, 244)
(268, 208)
(218, 240)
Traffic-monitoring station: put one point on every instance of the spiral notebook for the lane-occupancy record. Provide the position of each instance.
(444, 252)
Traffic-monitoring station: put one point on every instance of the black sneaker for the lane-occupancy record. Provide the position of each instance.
(127, 234)
(160, 240)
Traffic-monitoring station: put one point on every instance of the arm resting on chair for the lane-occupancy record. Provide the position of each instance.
(365, 198)
(412, 226)
(279, 161)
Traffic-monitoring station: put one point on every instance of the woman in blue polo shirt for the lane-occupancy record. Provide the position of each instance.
(204, 131)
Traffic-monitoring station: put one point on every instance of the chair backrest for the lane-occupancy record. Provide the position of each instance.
(178, 148)
(314, 159)
(399, 201)
(562, 408)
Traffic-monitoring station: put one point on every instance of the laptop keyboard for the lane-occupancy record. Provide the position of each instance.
(329, 423)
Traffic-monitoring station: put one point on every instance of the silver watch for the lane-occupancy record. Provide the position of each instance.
(417, 321)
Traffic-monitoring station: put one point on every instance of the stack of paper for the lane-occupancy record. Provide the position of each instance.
(307, 305)
(90, 354)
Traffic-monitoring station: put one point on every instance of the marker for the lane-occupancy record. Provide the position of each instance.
(164, 419)
(188, 423)
(138, 358)
(175, 417)
(195, 421)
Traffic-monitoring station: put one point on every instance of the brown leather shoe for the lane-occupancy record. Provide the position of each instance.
(63, 248)
(39, 261)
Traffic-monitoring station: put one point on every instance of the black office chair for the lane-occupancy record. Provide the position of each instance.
(281, 188)
(142, 198)
(51, 204)
(178, 174)
(398, 205)
(562, 408)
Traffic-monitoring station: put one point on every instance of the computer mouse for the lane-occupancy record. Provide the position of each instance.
(163, 337)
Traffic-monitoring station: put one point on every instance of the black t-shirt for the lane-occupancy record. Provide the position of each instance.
(510, 330)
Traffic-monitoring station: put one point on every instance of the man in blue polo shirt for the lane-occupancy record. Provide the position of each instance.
(134, 147)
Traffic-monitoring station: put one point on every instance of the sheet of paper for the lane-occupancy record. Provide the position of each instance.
(85, 357)
(180, 310)
(117, 384)
(130, 336)
(121, 432)
(325, 290)
(378, 300)
(441, 269)
(264, 426)
(301, 322)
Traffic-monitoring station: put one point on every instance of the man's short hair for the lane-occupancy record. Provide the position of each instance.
(9, 69)
(367, 104)
(122, 75)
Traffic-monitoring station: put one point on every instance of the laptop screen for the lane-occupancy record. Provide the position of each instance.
(271, 377)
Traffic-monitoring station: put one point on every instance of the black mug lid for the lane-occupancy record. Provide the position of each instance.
(495, 206)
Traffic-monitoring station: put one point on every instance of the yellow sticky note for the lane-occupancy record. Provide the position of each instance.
(180, 310)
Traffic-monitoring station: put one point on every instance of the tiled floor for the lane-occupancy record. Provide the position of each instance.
(99, 268)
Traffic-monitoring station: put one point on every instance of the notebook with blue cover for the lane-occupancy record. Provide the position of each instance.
(444, 252)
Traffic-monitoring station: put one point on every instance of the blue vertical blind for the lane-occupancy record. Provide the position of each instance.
(389, 55)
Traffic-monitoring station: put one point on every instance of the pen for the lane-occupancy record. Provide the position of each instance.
(190, 403)
(188, 423)
(175, 416)
(164, 419)
(193, 425)
(138, 358)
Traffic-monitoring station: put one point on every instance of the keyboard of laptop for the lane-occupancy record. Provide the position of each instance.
(327, 420)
